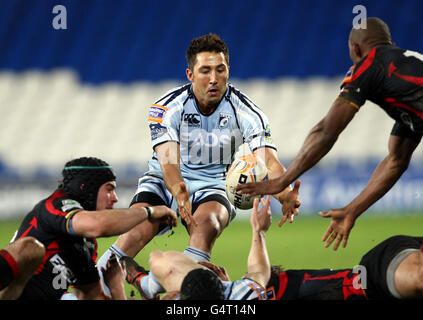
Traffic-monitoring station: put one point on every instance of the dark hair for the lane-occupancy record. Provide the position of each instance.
(83, 177)
(207, 43)
(202, 284)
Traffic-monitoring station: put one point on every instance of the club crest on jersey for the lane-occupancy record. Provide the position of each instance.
(224, 119)
(156, 113)
(192, 119)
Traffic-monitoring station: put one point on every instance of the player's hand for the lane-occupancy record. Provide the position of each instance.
(261, 220)
(220, 271)
(164, 214)
(290, 204)
(114, 276)
(184, 205)
(339, 228)
(259, 188)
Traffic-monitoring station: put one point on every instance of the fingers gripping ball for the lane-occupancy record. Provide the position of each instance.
(245, 169)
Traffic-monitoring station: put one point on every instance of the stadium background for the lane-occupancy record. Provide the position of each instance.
(85, 90)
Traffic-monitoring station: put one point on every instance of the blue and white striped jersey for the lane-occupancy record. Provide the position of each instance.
(207, 143)
(244, 289)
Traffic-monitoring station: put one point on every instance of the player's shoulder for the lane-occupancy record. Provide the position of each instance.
(174, 97)
(387, 50)
(59, 203)
(240, 100)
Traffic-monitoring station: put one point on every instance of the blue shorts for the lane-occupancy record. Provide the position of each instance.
(152, 190)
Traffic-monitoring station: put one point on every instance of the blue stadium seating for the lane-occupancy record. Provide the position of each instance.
(133, 40)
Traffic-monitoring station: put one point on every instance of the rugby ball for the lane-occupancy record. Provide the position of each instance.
(245, 169)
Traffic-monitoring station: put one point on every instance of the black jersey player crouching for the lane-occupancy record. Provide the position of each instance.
(68, 222)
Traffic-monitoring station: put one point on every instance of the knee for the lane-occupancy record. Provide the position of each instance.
(214, 222)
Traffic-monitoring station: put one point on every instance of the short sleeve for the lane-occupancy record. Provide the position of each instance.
(255, 128)
(164, 124)
(58, 212)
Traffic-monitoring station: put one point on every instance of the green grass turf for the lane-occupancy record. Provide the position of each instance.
(294, 246)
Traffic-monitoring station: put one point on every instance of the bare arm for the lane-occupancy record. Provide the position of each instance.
(274, 169)
(287, 197)
(168, 155)
(386, 174)
(114, 277)
(318, 143)
(383, 178)
(258, 259)
(110, 222)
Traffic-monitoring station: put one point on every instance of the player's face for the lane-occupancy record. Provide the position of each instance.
(209, 78)
(106, 196)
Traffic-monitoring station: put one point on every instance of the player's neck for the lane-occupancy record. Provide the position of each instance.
(207, 108)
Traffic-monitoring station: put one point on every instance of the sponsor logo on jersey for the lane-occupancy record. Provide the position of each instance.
(156, 113)
(69, 204)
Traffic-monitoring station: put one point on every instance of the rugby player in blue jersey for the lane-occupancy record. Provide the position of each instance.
(196, 129)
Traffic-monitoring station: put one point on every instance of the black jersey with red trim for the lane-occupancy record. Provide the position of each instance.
(392, 78)
(377, 260)
(69, 259)
(323, 284)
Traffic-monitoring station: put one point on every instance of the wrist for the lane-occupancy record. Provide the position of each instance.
(259, 234)
(175, 189)
(281, 196)
(149, 212)
(353, 211)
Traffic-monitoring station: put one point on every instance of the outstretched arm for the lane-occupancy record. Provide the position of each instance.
(111, 222)
(169, 158)
(287, 197)
(258, 259)
(383, 178)
(318, 143)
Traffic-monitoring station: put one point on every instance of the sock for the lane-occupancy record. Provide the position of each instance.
(102, 263)
(197, 254)
(151, 286)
